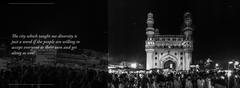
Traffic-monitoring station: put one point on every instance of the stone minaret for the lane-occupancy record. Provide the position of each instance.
(188, 42)
(149, 43)
(187, 30)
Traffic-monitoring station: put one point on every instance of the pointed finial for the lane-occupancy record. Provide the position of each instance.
(150, 15)
(187, 19)
(157, 31)
(187, 29)
(150, 20)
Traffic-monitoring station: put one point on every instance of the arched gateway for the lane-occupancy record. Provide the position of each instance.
(169, 51)
(169, 65)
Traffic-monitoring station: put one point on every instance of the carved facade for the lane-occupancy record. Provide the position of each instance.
(169, 51)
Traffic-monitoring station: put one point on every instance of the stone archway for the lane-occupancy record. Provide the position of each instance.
(169, 65)
(169, 62)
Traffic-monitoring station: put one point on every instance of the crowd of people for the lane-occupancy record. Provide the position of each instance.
(201, 79)
(42, 76)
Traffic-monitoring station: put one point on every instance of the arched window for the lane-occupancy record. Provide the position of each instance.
(165, 46)
(181, 53)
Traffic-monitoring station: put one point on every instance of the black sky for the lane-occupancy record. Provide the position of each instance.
(118, 27)
(216, 32)
(87, 19)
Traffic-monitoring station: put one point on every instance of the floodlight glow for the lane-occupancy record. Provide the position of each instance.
(222, 77)
(110, 71)
(197, 66)
(134, 65)
(229, 73)
(120, 66)
(230, 62)
(109, 67)
(236, 63)
(216, 64)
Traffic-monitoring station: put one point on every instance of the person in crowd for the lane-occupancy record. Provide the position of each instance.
(200, 82)
(177, 82)
(67, 77)
(54, 77)
(188, 83)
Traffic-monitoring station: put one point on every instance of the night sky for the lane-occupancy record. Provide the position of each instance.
(86, 19)
(216, 23)
(118, 26)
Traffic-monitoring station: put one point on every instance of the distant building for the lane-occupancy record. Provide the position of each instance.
(45, 56)
(85, 58)
(169, 51)
(3, 62)
(3, 50)
(128, 64)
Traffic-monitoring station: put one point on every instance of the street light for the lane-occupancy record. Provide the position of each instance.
(228, 72)
(230, 62)
(216, 64)
(235, 64)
